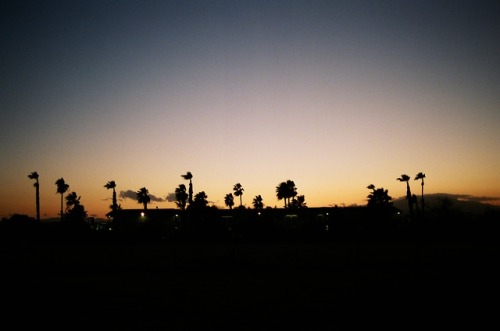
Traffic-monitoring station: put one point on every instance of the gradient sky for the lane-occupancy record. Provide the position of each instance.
(334, 95)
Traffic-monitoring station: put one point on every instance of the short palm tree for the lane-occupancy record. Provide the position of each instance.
(257, 202)
(420, 176)
(406, 178)
(200, 200)
(143, 197)
(238, 191)
(229, 200)
(181, 196)
(112, 185)
(281, 192)
(34, 175)
(189, 176)
(62, 187)
(291, 190)
(379, 197)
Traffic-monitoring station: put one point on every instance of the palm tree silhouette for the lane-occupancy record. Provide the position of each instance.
(291, 190)
(200, 200)
(143, 197)
(34, 175)
(112, 185)
(281, 192)
(189, 176)
(238, 191)
(257, 202)
(379, 197)
(75, 211)
(62, 187)
(181, 196)
(406, 178)
(420, 176)
(229, 200)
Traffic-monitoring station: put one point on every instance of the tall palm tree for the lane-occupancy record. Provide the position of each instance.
(143, 197)
(34, 175)
(257, 202)
(229, 200)
(420, 176)
(189, 176)
(238, 191)
(181, 196)
(62, 187)
(406, 178)
(112, 185)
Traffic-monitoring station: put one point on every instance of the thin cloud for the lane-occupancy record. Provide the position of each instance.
(171, 197)
(130, 194)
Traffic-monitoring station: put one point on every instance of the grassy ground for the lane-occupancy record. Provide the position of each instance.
(250, 286)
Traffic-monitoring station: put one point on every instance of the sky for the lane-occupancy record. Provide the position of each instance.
(334, 95)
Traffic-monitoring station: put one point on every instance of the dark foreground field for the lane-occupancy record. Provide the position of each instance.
(250, 286)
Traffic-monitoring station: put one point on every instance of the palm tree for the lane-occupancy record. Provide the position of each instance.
(238, 191)
(420, 176)
(34, 175)
(112, 185)
(406, 178)
(291, 190)
(299, 202)
(379, 197)
(181, 196)
(200, 200)
(189, 176)
(62, 187)
(229, 200)
(75, 211)
(257, 202)
(143, 197)
(281, 192)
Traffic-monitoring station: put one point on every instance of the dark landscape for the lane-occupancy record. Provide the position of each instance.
(416, 276)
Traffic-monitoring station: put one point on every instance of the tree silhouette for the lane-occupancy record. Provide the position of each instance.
(181, 196)
(189, 176)
(281, 192)
(34, 175)
(143, 197)
(62, 187)
(379, 198)
(299, 202)
(200, 200)
(286, 191)
(420, 176)
(406, 178)
(229, 200)
(112, 185)
(75, 212)
(238, 191)
(257, 202)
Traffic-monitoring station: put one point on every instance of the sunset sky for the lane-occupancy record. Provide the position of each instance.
(334, 95)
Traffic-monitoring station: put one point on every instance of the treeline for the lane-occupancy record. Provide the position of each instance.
(270, 225)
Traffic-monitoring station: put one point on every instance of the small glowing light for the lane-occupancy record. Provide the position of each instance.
(258, 213)
(142, 214)
(326, 214)
(326, 228)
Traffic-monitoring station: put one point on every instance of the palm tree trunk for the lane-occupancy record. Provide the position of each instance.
(408, 197)
(38, 202)
(190, 192)
(61, 207)
(423, 205)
